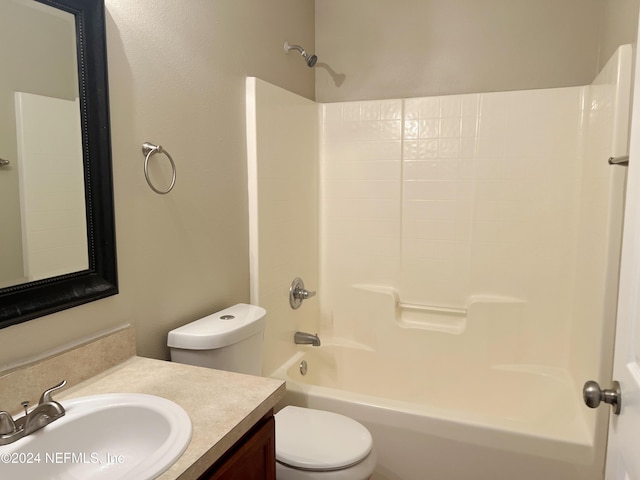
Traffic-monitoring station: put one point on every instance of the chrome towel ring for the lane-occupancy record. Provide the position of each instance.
(148, 149)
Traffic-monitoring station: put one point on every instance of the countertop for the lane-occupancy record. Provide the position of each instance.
(223, 406)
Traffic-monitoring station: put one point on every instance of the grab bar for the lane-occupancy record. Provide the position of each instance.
(622, 160)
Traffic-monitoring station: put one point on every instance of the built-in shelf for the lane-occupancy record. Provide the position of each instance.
(447, 319)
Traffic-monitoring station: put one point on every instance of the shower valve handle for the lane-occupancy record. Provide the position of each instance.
(297, 293)
(593, 395)
(303, 294)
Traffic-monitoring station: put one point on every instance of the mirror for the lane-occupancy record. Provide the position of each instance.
(56, 202)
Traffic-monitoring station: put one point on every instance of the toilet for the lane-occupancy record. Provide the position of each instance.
(310, 444)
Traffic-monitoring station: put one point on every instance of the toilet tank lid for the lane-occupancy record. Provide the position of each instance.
(220, 329)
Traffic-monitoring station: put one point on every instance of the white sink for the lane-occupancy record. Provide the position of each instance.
(112, 436)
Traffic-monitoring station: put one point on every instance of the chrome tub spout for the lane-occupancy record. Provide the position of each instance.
(303, 338)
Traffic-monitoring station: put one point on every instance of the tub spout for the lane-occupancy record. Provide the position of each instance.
(303, 338)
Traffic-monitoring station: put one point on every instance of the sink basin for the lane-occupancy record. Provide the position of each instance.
(112, 436)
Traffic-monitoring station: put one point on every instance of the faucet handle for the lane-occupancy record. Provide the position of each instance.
(304, 294)
(7, 424)
(46, 396)
(297, 293)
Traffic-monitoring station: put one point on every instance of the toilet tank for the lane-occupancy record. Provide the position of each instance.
(230, 339)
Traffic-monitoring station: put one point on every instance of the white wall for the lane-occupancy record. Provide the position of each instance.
(52, 192)
(476, 197)
(282, 149)
(606, 117)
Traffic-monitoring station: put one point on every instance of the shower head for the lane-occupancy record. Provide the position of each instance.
(309, 59)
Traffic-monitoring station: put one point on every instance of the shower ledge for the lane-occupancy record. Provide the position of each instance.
(447, 319)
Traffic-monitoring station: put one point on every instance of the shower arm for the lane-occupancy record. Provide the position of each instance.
(288, 48)
(310, 60)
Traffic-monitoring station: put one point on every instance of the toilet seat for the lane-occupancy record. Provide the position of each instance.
(316, 440)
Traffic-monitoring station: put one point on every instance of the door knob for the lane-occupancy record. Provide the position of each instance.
(593, 395)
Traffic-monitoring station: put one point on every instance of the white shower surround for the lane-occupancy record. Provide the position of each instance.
(487, 223)
(444, 199)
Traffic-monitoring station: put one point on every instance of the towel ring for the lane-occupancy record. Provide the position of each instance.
(149, 149)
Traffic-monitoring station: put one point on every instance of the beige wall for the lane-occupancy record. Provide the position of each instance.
(417, 48)
(177, 78)
(619, 26)
(177, 74)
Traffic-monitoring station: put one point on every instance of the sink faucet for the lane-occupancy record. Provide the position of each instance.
(47, 411)
(303, 338)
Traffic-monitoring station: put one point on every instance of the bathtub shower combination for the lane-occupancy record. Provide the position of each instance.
(465, 253)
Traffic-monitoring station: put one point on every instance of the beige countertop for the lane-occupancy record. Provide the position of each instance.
(223, 406)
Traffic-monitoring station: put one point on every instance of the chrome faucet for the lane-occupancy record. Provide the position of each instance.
(303, 338)
(47, 411)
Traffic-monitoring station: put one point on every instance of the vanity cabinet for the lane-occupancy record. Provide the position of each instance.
(253, 457)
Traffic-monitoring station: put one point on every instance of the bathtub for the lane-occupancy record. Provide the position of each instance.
(451, 421)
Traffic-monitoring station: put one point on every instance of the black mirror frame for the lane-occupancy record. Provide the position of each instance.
(26, 301)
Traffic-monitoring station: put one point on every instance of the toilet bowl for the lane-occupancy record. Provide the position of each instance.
(310, 444)
(315, 444)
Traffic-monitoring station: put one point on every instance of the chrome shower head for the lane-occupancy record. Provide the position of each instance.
(309, 59)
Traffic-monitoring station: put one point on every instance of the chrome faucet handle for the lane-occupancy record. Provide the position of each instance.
(297, 293)
(304, 294)
(46, 396)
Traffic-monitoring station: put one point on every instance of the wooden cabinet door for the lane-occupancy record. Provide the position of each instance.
(252, 458)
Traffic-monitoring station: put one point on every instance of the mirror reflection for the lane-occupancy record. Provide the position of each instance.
(43, 231)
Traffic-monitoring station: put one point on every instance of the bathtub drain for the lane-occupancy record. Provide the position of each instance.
(303, 367)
